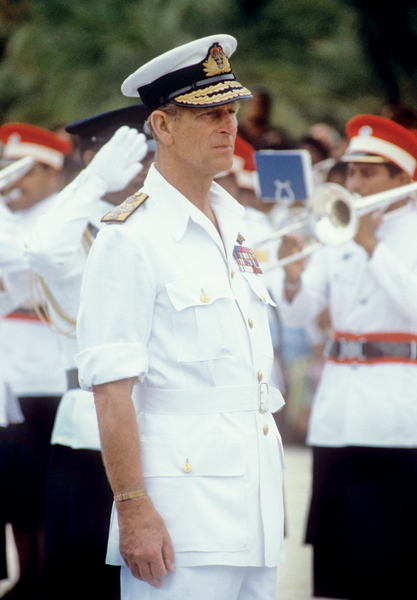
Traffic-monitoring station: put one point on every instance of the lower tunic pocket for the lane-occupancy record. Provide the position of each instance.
(196, 483)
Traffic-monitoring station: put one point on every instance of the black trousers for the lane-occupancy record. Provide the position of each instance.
(363, 523)
(77, 519)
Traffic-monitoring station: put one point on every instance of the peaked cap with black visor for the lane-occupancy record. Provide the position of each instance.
(101, 127)
(195, 75)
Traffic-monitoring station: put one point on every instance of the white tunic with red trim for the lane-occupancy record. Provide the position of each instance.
(29, 350)
(371, 403)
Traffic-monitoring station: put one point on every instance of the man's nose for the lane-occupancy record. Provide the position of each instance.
(354, 184)
(229, 124)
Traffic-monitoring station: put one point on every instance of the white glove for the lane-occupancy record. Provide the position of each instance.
(11, 241)
(117, 162)
(11, 251)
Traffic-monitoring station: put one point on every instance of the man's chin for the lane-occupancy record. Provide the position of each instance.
(223, 166)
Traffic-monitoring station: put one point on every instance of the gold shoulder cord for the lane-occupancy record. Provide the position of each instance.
(87, 240)
(40, 293)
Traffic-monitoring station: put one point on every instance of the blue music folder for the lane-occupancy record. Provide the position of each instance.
(285, 176)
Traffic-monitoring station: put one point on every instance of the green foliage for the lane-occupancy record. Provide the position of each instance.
(63, 60)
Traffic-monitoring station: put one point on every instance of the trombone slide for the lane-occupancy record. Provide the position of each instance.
(14, 171)
(333, 215)
(282, 262)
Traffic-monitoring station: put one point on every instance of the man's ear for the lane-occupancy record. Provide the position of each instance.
(161, 125)
(404, 178)
(88, 156)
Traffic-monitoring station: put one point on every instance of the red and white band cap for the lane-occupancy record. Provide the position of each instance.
(376, 139)
(22, 139)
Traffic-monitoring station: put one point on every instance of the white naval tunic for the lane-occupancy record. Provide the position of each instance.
(163, 300)
(360, 404)
(54, 250)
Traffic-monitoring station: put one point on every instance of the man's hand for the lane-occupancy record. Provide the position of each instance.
(291, 244)
(365, 236)
(144, 540)
(117, 162)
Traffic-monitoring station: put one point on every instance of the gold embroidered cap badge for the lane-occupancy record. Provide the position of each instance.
(216, 62)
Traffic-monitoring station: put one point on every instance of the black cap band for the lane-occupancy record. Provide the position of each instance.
(168, 86)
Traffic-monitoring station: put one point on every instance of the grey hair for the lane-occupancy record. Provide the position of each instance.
(173, 110)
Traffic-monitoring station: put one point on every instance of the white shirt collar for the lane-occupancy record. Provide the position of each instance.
(177, 210)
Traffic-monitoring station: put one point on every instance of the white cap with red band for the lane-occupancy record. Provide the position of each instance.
(376, 139)
(23, 139)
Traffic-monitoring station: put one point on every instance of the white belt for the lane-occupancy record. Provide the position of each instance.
(209, 400)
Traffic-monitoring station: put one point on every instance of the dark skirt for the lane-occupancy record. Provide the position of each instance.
(24, 457)
(78, 508)
(363, 522)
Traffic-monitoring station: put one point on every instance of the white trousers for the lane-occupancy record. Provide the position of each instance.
(205, 583)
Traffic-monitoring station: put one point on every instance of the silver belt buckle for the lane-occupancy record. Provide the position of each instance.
(261, 402)
(351, 349)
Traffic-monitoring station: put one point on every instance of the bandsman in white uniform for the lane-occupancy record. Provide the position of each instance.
(29, 351)
(173, 313)
(77, 518)
(363, 425)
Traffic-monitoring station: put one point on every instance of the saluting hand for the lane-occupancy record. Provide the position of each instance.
(291, 244)
(117, 162)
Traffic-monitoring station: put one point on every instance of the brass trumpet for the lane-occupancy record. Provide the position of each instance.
(332, 215)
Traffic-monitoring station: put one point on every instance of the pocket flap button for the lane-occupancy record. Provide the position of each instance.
(187, 468)
(204, 297)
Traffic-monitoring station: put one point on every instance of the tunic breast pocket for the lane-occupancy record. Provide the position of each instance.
(205, 319)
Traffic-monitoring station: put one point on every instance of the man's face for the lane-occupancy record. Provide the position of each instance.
(39, 183)
(204, 138)
(370, 178)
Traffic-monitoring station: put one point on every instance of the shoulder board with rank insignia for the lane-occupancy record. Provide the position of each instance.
(122, 212)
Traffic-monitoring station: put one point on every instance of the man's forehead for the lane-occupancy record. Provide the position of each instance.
(219, 108)
(370, 167)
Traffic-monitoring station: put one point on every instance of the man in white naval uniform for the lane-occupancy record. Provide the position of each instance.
(363, 425)
(173, 311)
(76, 522)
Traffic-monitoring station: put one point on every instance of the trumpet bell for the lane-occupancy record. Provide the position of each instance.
(332, 215)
